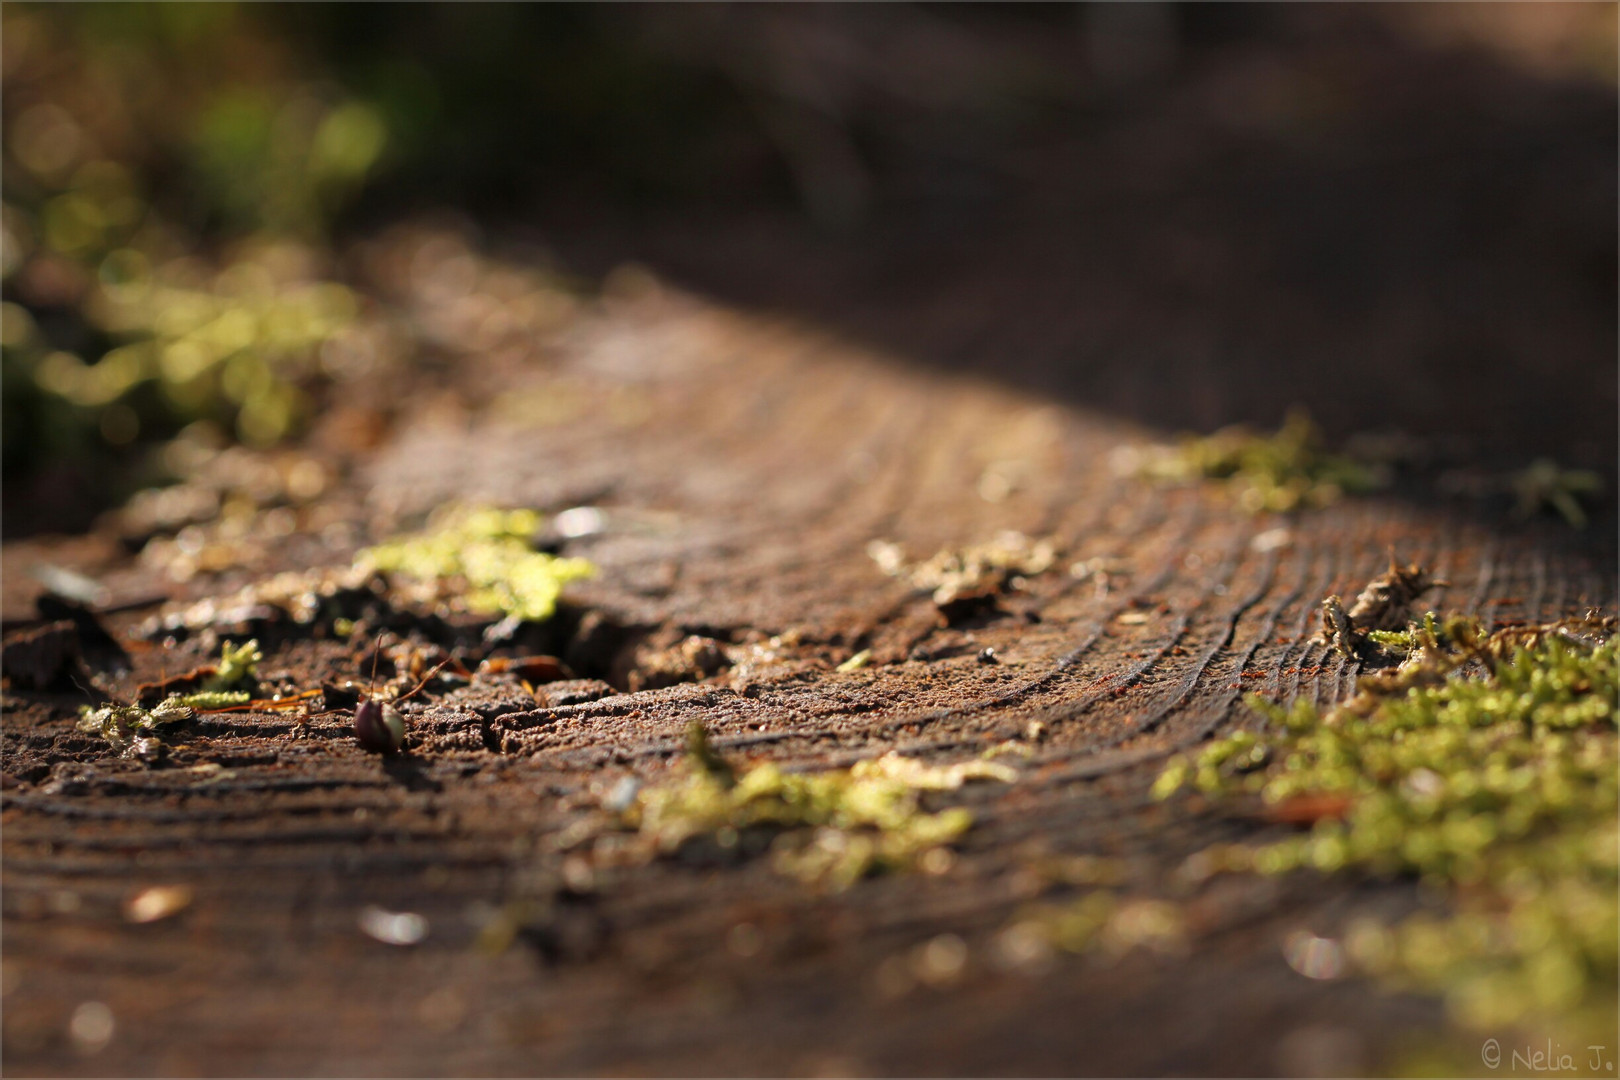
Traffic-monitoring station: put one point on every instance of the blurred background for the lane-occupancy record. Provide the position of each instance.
(251, 225)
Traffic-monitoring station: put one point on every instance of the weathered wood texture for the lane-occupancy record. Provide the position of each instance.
(745, 465)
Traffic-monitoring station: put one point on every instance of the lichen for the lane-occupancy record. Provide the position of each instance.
(831, 828)
(954, 572)
(1485, 764)
(122, 725)
(1280, 472)
(125, 725)
(481, 560)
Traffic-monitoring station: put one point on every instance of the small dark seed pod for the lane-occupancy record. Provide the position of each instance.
(379, 728)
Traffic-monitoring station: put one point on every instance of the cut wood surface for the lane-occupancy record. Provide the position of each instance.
(742, 467)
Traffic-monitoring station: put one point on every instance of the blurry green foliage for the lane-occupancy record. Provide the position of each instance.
(170, 345)
(285, 166)
(1279, 472)
(1544, 484)
(1098, 922)
(135, 137)
(163, 131)
(143, 140)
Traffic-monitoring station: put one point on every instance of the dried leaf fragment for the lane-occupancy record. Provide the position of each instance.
(1384, 605)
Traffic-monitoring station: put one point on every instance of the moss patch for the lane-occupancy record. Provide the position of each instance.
(481, 560)
(1486, 764)
(1279, 472)
(236, 666)
(831, 828)
(124, 726)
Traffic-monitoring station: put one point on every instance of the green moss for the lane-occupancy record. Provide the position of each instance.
(832, 827)
(122, 725)
(214, 699)
(1074, 927)
(1279, 472)
(236, 665)
(1394, 641)
(1487, 765)
(703, 757)
(482, 560)
(1541, 957)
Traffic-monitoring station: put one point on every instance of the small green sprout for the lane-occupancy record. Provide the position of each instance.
(484, 561)
(1392, 641)
(236, 665)
(1280, 472)
(130, 726)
